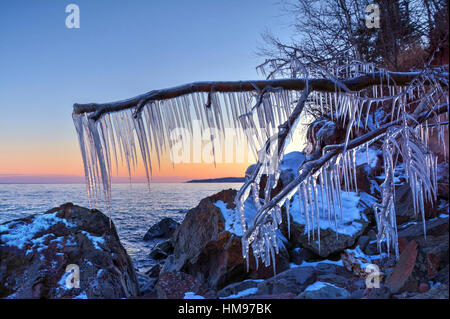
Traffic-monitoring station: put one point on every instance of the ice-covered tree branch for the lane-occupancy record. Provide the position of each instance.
(323, 85)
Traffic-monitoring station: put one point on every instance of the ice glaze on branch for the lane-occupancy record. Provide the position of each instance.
(323, 85)
(315, 161)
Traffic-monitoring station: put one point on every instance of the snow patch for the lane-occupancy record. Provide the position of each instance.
(319, 285)
(21, 234)
(96, 240)
(292, 161)
(232, 222)
(347, 224)
(81, 296)
(192, 295)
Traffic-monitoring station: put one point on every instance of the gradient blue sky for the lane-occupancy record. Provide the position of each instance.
(122, 49)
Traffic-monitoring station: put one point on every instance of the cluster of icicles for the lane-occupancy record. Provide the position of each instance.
(354, 110)
(121, 136)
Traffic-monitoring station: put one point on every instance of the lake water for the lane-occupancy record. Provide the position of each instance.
(133, 207)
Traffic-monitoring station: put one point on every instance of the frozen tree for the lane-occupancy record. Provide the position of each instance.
(397, 110)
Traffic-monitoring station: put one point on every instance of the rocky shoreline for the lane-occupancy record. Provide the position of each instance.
(202, 256)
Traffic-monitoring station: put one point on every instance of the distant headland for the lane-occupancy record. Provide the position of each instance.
(219, 180)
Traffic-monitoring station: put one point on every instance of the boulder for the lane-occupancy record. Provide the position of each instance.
(404, 207)
(158, 254)
(237, 287)
(298, 255)
(436, 292)
(402, 278)
(294, 280)
(207, 245)
(154, 271)
(162, 229)
(42, 255)
(165, 246)
(324, 290)
(414, 230)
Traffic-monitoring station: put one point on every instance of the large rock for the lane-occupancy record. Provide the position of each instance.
(162, 229)
(294, 280)
(402, 278)
(238, 287)
(324, 290)
(207, 245)
(175, 285)
(40, 256)
(437, 292)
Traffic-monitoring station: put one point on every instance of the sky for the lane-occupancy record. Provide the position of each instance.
(122, 49)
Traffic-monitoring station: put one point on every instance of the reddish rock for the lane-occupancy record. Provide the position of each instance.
(424, 287)
(174, 285)
(401, 278)
(402, 243)
(212, 254)
(433, 264)
(35, 252)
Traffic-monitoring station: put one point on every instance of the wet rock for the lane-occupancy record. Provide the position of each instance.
(158, 254)
(40, 256)
(154, 271)
(165, 246)
(146, 284)
(163, 229)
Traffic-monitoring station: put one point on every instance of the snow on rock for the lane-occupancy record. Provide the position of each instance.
(292, 161)
(356, 261)
(232, 222)
(192, 295)
(41, 253)
(335, 234)
(324, 290)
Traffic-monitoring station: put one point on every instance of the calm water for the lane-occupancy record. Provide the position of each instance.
(134, 207)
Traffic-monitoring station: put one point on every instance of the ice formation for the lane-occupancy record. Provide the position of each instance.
(401, 118)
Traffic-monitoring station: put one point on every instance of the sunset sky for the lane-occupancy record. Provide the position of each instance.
(122, 49)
